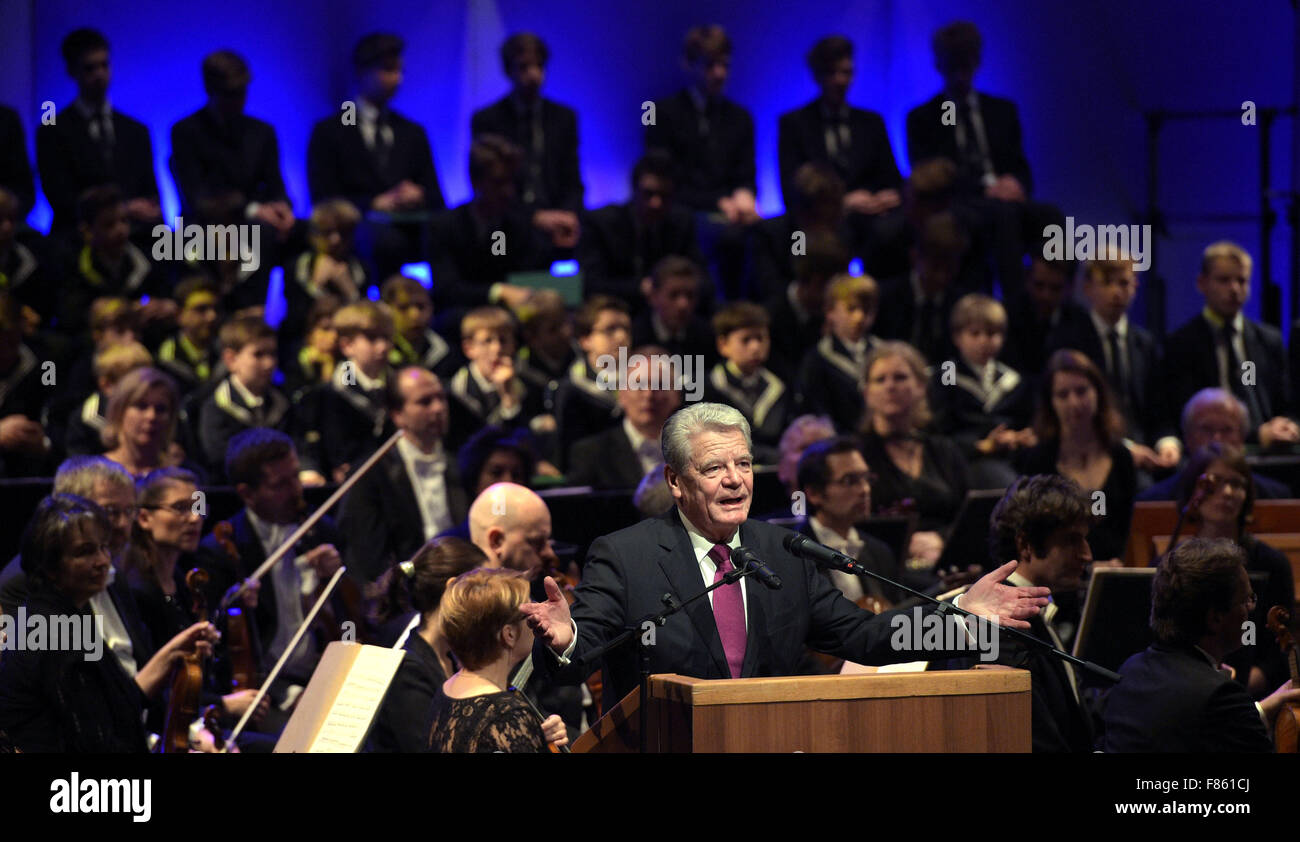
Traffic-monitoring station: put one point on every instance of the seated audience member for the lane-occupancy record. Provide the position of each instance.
(1127, 354)
(328, 268)
(496, 454)
(548, 181)
(113, 321)
(479, 244)
(621, 455)
(61, 699)
(1045, 306)
(380, 161)
(673, 292)
(1079, 433)
(245, 398)
(414, 340)
(802, 432)
(799, 307)
(916, 309)
(90, 143)
(347, 419)
(1043, 523)
(221, 150)
(830, 377)
(24, 448)
(853, 141)
(621, 244)
(108, 263)
(982, 404)
(15, 167)
(412, 595)
(474, 710)
(415, 492)
(837, 484)
(241, 284)
(743, 380)
(813, 210)
(909, 461)
(141, 431)
(1173, 697)
(24, 273)
(84, 433)
(584, 404)
(709, 137)
(263, 467)
(983, 138)
(1217, 478)
(109, 486)
(1215, 347)
(318, 357)
(652, 496)
(547, 353)
(487, 389)
(1215, 415)
(191, 355)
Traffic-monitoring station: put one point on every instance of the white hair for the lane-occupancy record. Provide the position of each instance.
(685, 424)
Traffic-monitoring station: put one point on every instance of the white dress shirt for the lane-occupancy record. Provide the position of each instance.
(114, 630)
(850, 584)
(291, 583)
(708, 567)
(428, 475)
(649, 452)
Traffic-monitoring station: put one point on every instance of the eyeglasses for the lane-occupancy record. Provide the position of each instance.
(115, 512)
(181, 508)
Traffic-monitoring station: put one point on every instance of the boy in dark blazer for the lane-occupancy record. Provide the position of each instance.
(830, 377)
(743, 380)
(584, 405)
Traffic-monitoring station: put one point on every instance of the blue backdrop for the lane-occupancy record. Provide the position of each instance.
(1080, 73)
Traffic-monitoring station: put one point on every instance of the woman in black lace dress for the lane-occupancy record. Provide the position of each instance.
(474, 711)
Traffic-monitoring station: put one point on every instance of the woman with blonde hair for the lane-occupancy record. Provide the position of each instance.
(141, 429)
(474, 710)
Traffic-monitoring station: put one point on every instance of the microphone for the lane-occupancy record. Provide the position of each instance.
(745, 558)
(805, 547)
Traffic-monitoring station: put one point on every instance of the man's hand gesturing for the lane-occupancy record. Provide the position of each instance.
(550, 620)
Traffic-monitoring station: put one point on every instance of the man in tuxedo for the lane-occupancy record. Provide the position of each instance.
(378, 159)
(1043, 522)
(415, 492)
(90, 143)
(1174, 696)
(981, 134)
(621, 455)
(744, 630)
(548, 181)
(220, 150)
(1221, 347)
(622, 243)
(1215, 415)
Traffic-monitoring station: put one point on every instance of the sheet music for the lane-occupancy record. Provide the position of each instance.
(358, 700)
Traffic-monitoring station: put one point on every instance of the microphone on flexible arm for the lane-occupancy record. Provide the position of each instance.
(744, 558)
(805, 547)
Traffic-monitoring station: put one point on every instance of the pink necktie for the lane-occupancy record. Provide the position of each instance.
(729, 611)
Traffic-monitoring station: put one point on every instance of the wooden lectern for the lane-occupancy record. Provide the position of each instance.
(980, 710)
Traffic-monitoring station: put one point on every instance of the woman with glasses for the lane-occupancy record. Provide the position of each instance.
(1216, 483)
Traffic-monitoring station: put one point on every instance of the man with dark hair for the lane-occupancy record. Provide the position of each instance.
(1044, 305)
(622, 243)
(415, 492)
(672, 318)
(221, 150)
(1043, 523)
(480, 243)
(91, 143)
(854, 142)
(377, 159)
(1174, 697)
(548, 180)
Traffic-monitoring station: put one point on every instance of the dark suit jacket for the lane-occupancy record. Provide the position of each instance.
(70, 162)
(15, 169)
(1141, 405)
(381, 517)
(614, 258)
(210, 159)
(928, 137)
(560, 177)
(340, 424)
(829, 383)
(1167, 489)
(1060, 723)
(340, 165)
(1191, 364)
(768, 415)
(965, 413)
(582, 408)
(1027, 338)
(709, 166)
(898, 318)
(224, 414)
(605, 460)
(1171, 700)
(801, 137)
(628, 571)
(465, 265)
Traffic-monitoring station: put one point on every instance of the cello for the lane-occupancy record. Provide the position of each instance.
(1286, 730)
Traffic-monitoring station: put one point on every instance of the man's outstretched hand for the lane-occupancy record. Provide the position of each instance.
(550, 620)
(1003, 604)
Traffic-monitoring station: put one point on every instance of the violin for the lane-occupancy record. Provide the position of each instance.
(1286, 731)
(187, 682)
(233, 621)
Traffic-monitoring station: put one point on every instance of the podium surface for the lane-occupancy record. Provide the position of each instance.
(982, 710)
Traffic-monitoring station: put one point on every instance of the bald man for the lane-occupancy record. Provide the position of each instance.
(513, 526)
(415, 492)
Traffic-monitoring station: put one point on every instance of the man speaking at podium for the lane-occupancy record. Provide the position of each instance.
(744, 629)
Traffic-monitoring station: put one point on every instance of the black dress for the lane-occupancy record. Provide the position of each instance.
(484, 724)
(57, 701)
(403, 721)
(938, 491)
(1109, 533)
